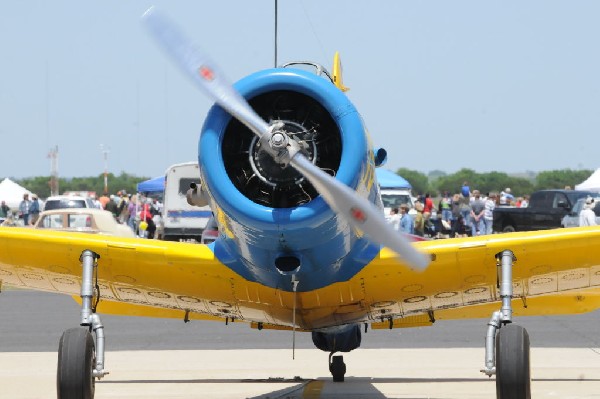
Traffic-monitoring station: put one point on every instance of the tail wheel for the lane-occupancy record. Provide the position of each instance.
(337, 367)
(513, 376)
(76, 360)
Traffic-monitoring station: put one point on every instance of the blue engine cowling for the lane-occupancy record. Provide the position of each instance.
(271, 219)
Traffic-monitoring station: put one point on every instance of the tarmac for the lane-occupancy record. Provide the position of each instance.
(271, 373)
(439, 362)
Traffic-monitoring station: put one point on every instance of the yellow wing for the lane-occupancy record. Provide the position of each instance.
(557, 271)
(144, 274)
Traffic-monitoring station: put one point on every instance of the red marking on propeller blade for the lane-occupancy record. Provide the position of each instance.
(358, 215)
(206, 73)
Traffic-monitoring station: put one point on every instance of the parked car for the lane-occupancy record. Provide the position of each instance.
(210, 232)
(68, 201)
(85, 220)
(545, 211)
(571, 219)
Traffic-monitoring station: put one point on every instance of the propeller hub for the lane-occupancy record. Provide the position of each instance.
(260, 167)
(270, 155)
(279, 140)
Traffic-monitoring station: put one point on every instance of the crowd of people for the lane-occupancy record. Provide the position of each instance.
(134, 210)
(465, 213)
(29, 211)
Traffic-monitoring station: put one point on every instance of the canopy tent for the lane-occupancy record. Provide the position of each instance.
(156, 185)
(12, 193)
(592, 183)
(388, 179)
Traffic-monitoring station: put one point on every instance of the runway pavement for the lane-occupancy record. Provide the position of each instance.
(34, 321)
(572, 373)
(151, 358)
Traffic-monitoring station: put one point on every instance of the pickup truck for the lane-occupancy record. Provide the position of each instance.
(545, 211)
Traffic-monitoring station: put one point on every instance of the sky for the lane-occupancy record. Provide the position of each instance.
(442, 85)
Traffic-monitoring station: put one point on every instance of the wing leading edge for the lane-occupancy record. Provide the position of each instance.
(137, 277)
(556, 272)
(149, 273)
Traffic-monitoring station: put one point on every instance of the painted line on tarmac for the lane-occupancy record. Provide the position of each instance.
(313, 389)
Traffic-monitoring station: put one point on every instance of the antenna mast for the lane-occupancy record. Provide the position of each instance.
(276, 3)
(53, 155)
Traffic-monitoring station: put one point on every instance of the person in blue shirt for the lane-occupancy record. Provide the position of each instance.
(34, 210)
(465, 190)
(407, 225)
(24, 209)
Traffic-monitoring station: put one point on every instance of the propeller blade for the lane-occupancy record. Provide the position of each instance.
(359, 212)
(204, 72)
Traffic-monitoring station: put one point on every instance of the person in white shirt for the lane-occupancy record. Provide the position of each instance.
(506, 198)
(587, 217)
(488, 213)
(394, 219)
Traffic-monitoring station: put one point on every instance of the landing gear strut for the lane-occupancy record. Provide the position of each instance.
(506, 344)
(337, 367)
(79, 360)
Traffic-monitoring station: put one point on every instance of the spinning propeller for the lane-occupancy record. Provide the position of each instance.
(358, 211)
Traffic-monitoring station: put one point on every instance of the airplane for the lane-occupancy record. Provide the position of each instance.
(287, 167)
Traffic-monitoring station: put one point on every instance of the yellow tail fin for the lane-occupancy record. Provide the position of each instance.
(337, 72)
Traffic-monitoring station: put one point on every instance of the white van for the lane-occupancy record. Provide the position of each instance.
(395, 191)
(182, 221)
(394, 197)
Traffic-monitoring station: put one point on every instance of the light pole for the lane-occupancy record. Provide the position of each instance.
(105, 151)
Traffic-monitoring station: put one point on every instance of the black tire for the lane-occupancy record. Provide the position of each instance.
(337, 367)
(513, 375)
(76, 359)
(508, 229)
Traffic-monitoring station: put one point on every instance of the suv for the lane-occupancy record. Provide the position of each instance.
(68, 201)
(545, 211)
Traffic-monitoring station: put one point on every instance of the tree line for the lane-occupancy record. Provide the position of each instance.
(434, 182)
(437, 182)
(41, 184)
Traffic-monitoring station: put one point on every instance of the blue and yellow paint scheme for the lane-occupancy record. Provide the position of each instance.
(342, 277)
(556, 272)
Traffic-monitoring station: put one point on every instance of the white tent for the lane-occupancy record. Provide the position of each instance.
(592, 183)
(12, 193)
